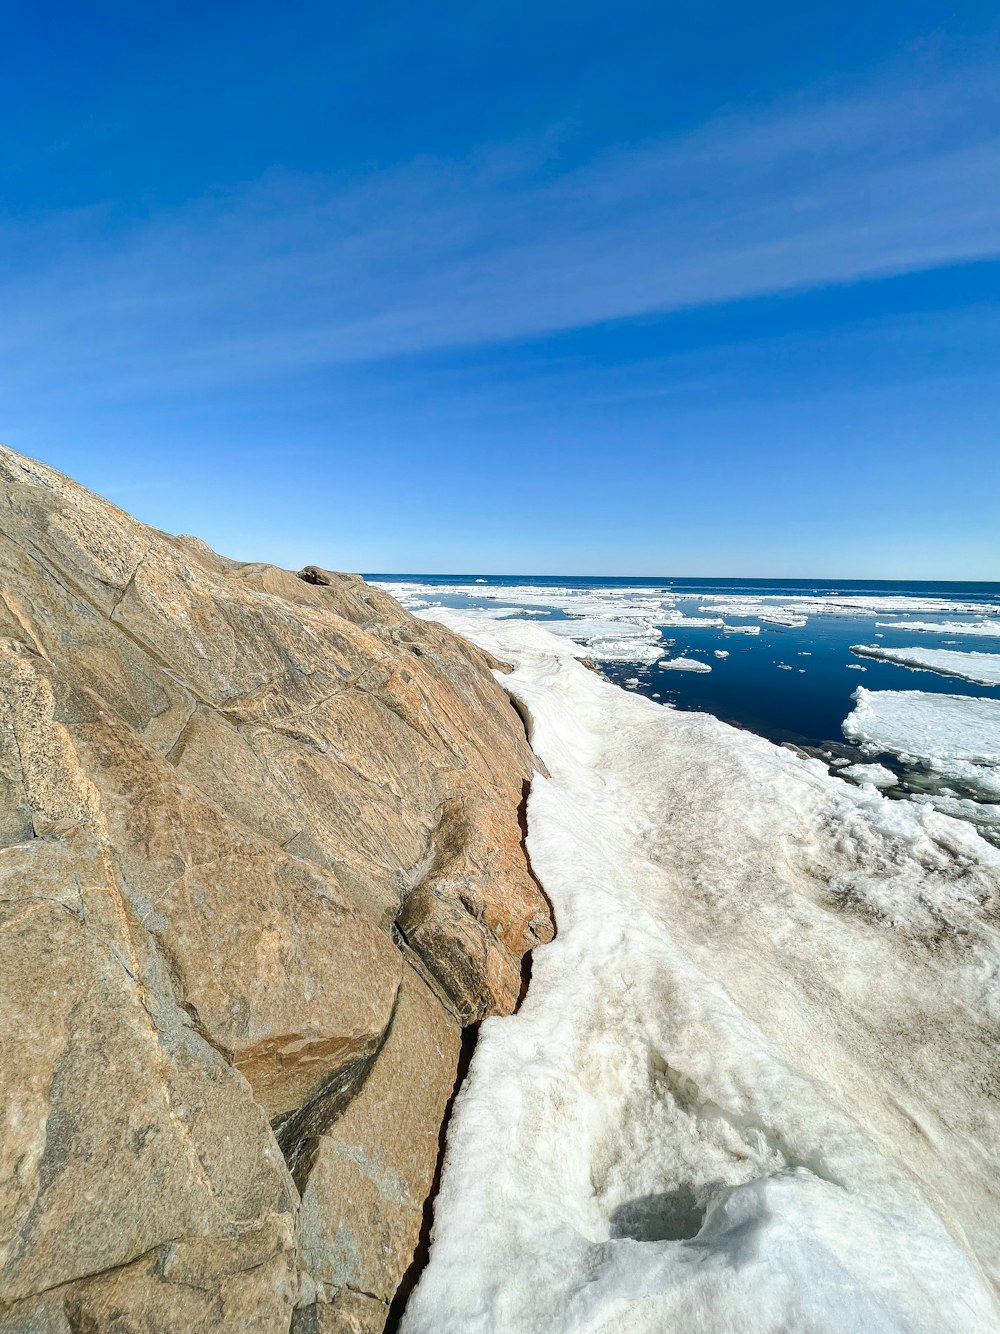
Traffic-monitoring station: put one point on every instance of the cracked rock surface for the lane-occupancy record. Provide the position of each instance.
(260, 861)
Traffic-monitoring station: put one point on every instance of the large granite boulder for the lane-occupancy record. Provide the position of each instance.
(260, 861)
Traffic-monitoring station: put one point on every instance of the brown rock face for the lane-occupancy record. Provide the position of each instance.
(260, 859)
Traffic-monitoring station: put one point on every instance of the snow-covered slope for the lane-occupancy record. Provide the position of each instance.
(753, 1085)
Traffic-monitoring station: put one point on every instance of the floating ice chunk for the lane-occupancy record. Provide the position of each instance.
(783, 666)
(875, 774)
(955, 736)
(684, 665)
(741, 629)
(856, 667)
(674, 619)
(748, 1087)
(480, 581)
(981, 668)
(984, 627)
(721, 653)
(782, 618)
(623, 650)
(763, 612)
(983, 814)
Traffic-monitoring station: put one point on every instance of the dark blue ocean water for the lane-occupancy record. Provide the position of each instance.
(806, 705)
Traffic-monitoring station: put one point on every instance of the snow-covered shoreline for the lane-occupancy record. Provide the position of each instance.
(748, 1087)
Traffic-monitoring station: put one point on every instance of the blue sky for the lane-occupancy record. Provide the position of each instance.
(685, 289)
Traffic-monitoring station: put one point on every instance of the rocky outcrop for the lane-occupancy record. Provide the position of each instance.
(260, 861)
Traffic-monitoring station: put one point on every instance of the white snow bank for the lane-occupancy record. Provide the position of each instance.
(749, 1087)
(981, 668)
(957, 737)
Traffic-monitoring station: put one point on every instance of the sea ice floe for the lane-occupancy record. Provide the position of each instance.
(673, 620)
(720, 653)
(742, 629)
(665, 607)
(984, 814)
(875, 774)
(684, 665)
(751, 1084)
(955, 737)
(981, 628)
(980, 668)
(606, 640)
(832, 604)
(763, 612)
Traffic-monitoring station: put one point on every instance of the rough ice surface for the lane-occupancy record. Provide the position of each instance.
(666, 607)
(983, 814)
(761, 610)
(984, 627)
(955, 737)
(836, 604)
(981, 668)
(876, 774)
(685, 665)
(610, 641)
(751, 1085)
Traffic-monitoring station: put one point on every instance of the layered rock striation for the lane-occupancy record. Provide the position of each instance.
(261, 862)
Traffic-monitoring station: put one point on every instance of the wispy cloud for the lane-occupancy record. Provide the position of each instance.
(297, 272)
